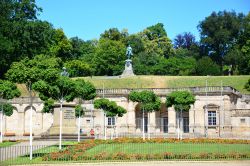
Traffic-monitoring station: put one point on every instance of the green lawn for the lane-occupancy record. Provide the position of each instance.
(237, 82)
(154, 148)
(7, 143)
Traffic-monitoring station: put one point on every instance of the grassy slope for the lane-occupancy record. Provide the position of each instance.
(153, 148)
(237, 82)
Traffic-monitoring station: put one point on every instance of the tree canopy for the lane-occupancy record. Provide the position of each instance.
(8, 90)
(181, 100)
(109, 107)
(149, 102)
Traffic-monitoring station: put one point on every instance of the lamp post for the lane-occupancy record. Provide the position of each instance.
(31, 115)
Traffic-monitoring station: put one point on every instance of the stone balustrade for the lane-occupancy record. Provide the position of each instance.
(159, 91)
(240, 113)
(165, 91)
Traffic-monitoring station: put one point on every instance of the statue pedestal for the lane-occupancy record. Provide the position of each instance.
(68, 120)
(128, 71)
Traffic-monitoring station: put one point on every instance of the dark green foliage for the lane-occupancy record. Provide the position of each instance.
(109, 107)
(8, 90)
(156, 31)
(78, 68)
(40, 67)
(181, 100)
(61, 88)
(48, 106)
(148, 100)
(219, 32)
(247, 85)
(85, 90)
(79, 112)
(7, 109)
(109, 58)
(205, 66)
(113, 34)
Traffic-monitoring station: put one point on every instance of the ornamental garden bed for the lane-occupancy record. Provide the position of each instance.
(153, 149)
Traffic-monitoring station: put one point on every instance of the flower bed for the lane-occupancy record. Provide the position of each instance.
(79, 151)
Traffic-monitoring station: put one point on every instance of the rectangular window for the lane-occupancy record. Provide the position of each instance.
(111, 121)
(242, 121)
(211, 118)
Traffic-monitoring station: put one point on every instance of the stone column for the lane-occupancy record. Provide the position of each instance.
(152, 123)
(227, 131)
(191, 119)
(21, 122)
(171, 120)
(131, 117)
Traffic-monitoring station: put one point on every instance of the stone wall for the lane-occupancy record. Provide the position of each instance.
(232, 116)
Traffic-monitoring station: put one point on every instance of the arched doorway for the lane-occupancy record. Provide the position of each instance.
(27, 119)
(11, 122)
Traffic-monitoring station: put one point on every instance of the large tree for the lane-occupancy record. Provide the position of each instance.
(181, 100)
(109, 58)
(21, 34)
(29, 72)
(185, 40)
(148, 101)
(219, 33)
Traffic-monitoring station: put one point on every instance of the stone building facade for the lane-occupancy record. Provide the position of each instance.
(217, 112)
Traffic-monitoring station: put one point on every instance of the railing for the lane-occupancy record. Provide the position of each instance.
(165, 91)
(158, 91)
(129, 150)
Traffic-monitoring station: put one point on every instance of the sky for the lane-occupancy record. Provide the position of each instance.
(87, 19)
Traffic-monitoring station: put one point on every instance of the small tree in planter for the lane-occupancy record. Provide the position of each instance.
(8, 90)
(29, 71)
(84, 91)
(149, 102)
(181, 100)
(61, 89)
(110, 108)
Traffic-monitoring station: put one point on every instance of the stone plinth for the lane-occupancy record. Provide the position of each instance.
(68, 120)
(128, 71)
